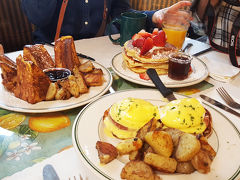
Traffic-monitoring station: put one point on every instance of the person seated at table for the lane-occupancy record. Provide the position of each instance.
(226, 15)
(83, 18)
(219, 21)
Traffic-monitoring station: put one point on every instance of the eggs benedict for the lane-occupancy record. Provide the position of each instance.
(124, 118)
(187, 115)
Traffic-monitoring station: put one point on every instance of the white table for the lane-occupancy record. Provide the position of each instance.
(103, 51)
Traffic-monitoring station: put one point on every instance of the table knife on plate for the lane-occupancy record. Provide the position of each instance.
(49, 173)
(167, 93)
(220, 105)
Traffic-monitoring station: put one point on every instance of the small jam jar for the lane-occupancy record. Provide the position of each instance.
(56, 74)
(179, 65)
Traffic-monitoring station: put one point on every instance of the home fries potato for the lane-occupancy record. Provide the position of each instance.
(159, 148)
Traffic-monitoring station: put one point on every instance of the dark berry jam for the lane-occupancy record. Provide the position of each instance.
(55, 74)
(179, 65)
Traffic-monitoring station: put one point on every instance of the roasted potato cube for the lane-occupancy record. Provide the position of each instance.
(71, 85)
(97, 71)
(137, 170)
(129, 145)
(62, 94)
(74, 88)
(161, 163)
(134, 155)
(207, 147)
(187, 147)
(175, 134)
(161, 142)
(94, 78)
(202, 162)
(185, 167)
(86, 67)
(149, 126)
(52, 90)
(106, 152)
(80, 81)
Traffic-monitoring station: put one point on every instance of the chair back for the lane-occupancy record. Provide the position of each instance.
(15, 29)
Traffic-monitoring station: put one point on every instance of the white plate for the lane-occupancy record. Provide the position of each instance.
(87, 130)
(199, 73)
(10, 102)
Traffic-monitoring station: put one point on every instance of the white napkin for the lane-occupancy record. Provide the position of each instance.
(66, 163)
(220, 71)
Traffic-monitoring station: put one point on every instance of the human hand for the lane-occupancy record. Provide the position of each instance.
(168, 14)
(1, 50)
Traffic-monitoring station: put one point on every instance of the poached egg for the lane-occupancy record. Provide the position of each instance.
(185, 114)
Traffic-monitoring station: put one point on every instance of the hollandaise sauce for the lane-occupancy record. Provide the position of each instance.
(133, 113)
(186, 115)
(127, 116)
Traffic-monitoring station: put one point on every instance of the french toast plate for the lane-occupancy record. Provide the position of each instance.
(225, 139)
(199, 73)
(10, 102)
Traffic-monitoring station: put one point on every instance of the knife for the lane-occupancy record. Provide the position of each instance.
(167, 93)
(78, 54)
(220, 105)
(203, 51)
(189, 45)
(49, 173)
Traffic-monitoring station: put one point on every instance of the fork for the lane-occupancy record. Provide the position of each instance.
(227, 98)
(79, 177)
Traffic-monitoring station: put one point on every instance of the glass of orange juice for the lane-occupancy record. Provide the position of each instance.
(175, 28)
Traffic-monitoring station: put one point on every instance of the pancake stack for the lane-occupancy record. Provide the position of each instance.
(155, 57)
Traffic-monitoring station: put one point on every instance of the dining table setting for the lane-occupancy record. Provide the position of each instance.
(56, 139)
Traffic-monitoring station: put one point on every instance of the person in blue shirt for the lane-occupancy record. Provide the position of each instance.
(82, 18)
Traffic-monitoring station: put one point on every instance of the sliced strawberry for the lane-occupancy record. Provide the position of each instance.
(160, 39)
(138, 42)
(155, 31)
(136, 36)
(145, 34)
(144, 76)
(148, 44)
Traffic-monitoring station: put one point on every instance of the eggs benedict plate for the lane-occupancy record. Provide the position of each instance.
(89, 127)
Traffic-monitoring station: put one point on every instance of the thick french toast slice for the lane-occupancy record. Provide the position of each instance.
(65, 53)
(9, 73)
(7, 60)
(32, 82)
(39, 55)
(9, 76)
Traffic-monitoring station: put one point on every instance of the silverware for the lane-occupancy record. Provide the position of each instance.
(78, 54)
(203, 51)
(220, 105)
(189, 45)
(227, 98)
(49, 173)
(167, 93)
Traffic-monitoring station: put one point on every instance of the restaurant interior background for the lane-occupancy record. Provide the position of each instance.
(15, 29)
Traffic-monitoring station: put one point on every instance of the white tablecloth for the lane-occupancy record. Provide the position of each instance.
(67, 163)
